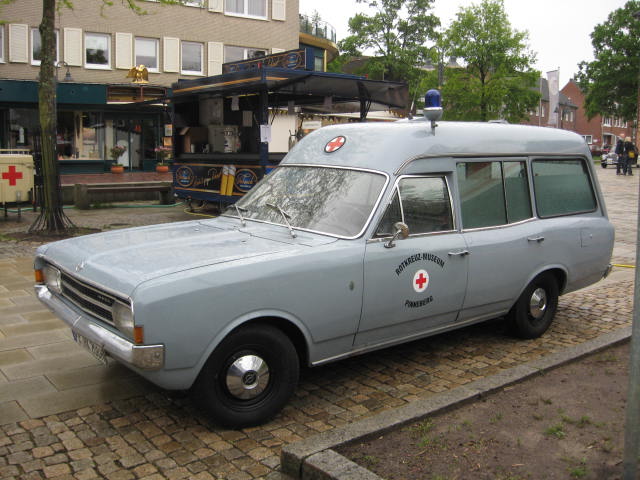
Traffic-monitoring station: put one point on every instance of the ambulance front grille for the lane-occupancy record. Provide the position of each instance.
(88, 298)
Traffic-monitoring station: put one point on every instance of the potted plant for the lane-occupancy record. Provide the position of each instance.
(163, 154)
(115, 153)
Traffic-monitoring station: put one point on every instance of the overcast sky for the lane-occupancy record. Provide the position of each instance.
(559, 30)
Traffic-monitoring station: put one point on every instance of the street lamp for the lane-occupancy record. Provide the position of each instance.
(429, 67)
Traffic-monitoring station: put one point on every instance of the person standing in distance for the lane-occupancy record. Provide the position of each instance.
(620, 154)
(630, 155)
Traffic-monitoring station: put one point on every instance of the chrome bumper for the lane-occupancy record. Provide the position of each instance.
(145, 357)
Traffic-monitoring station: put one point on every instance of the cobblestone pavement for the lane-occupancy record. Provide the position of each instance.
(145, 433)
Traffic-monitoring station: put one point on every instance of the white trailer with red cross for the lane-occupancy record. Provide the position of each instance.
(16, 178)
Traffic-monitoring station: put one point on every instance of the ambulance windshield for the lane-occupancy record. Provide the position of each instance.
(336, 201)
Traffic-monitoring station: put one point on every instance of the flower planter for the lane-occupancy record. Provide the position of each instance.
(117, 169)
(162, 168)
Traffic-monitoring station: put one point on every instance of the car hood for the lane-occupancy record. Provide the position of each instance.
(122, 259)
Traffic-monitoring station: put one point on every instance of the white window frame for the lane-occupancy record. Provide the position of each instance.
(33, 32)
(245, 53)
(157, 45)
(244, 13)
(192, 72)
(194, 3)
(606, 121)
(1, 43)
(97, 66)
(588, 139)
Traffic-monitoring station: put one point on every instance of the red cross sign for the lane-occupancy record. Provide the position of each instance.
(335, 144)
(12, 175)
(420, 281)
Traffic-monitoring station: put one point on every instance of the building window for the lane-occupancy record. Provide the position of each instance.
(246, 8)
(147, 53)
(567, 115)
(539, 111)
(1, 43)
(606, 121)
(36, 47)
(97, 50)
(234, 54)
(619, 122)
(588, 139)
(191, 61)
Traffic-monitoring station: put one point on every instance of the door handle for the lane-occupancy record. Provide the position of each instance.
(460, 253)
(536, 239)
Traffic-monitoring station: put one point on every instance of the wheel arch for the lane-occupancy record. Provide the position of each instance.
(287, 327)
(291, 327)
(559, 274)
(561, 277)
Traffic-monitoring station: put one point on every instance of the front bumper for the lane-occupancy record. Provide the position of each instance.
(144, 357)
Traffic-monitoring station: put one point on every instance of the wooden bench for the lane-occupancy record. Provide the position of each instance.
(100, 192)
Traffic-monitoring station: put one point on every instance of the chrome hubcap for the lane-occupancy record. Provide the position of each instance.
(247, 377)
(538, 303)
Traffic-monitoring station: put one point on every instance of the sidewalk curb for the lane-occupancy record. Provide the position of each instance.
(315, 459)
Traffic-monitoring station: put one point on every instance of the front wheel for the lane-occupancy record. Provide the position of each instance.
(533, 313)
(249, 378)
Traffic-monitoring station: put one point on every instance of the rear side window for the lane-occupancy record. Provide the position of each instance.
(493, 193)
(423, 203)
(562, 187)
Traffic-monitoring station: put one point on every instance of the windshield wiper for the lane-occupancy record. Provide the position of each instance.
(239, 210)
(285, 215)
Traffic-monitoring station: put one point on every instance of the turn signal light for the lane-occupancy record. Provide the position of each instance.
(39, 276)
(138, 335)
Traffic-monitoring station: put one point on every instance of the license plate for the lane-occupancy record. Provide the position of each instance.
(93, 348)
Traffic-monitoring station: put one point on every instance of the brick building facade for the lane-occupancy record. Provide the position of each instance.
(96, 48)
(599, 131)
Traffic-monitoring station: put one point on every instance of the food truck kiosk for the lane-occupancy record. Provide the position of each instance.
(222, 125)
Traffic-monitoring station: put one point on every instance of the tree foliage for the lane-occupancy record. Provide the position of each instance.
(498, 80)
(394, 35)
(610, 82)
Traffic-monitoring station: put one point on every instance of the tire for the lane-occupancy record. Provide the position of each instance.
(603, 165)
(249, 377)
(534, 311)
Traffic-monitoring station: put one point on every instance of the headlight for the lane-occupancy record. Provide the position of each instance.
(52, 279)
(123, 317)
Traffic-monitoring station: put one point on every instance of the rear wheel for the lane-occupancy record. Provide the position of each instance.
(534, 311)
(249, 378)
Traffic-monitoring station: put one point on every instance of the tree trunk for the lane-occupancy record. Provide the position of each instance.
(52, 219)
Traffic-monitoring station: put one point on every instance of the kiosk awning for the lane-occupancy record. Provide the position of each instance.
(303, 87)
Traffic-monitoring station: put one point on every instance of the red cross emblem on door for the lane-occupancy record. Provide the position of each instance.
(12, 175)
(421, 281)
(335, 144)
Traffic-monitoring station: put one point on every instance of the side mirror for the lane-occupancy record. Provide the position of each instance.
(402, 231)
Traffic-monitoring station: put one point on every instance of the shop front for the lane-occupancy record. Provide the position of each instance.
(91, 120)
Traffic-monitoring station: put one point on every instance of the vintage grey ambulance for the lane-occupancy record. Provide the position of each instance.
(367, 235)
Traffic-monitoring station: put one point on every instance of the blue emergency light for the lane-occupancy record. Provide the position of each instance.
(433, 99)
(433, 107)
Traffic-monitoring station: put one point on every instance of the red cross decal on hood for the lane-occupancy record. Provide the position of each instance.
(335, 144)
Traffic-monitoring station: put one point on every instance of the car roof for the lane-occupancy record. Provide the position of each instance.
(388, 146)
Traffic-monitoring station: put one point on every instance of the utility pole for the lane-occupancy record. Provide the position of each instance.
(631, 431)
